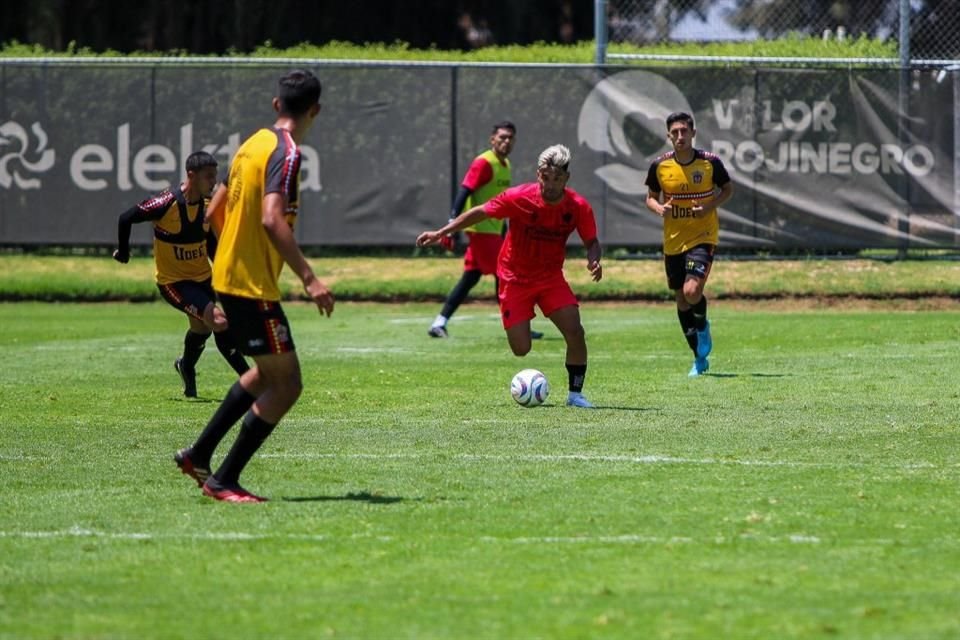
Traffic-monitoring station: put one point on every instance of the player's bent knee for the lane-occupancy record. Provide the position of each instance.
(693, 295)
(521, 350)
(575, 335)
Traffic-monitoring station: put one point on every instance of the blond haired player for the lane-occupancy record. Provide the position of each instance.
(542, 216)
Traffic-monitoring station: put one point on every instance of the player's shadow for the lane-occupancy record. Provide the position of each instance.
(197, 400)
(611, 407)
(743, 375)
(363, 496)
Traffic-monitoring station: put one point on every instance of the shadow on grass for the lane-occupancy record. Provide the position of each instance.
(742, 375)
(363, 496)
(612, 407)
(556, 405)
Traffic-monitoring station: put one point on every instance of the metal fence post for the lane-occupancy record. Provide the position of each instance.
(600, 30)
(903, 106)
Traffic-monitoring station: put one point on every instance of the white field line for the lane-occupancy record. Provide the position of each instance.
(426, 320)
(561, 458)
(240, 536)
(600, 459)
(374, 350)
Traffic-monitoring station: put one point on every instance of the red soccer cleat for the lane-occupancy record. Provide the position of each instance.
(185, 462)
(229, 494)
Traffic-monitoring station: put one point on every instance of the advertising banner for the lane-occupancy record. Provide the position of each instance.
(821, 158)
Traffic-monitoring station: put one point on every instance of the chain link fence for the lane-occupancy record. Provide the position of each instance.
(934, 28)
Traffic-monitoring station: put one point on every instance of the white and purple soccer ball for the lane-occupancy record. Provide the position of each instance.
(529, 388)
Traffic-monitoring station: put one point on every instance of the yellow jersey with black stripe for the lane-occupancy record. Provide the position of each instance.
(247, 264)
(179, 236)
(687, 184)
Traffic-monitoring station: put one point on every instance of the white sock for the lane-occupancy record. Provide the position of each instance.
(439, 321)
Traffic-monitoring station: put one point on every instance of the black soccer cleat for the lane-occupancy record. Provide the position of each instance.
(189, 377)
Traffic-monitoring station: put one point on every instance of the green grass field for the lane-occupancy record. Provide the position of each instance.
(807, 488)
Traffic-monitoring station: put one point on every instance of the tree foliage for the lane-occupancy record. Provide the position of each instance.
(934, 24)
(222, 26)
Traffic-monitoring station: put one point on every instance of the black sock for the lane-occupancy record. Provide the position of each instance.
(576, 374)
(252, 434)
(700, 314)
(228, 349)
(467, 281)
(687, 325)
(234, 405)
(193, 344)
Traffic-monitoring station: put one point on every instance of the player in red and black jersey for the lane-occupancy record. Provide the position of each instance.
(542, 216)
(181, 241)
(686, 187)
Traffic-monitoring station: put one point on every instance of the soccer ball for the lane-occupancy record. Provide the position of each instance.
(529, 388)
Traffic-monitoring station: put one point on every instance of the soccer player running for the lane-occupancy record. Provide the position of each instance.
(487, 176)
(256, 239)
(542, 216)
(685, 187)
(182, 241)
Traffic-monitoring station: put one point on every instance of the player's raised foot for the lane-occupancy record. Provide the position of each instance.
(189, 377)
(704, 341)
(576, 399)
(700, 366)
(235, 493)
(438, 332)
(536, 335)
(184, 460)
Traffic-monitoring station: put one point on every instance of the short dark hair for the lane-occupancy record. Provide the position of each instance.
(679, 116)
(298, 91)
(200, 159)
(504, 124)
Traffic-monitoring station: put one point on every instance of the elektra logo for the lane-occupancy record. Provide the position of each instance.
(93, 167)
(624, 117)
(17, 155)
(120, 164)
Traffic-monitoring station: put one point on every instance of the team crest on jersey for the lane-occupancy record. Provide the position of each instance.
(697, 177)
(567, 218)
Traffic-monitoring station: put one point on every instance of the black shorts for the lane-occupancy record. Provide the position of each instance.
(189, 296)
(259, 326)
(695, 262)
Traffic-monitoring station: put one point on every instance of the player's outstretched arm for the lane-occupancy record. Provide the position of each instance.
(124, 225)
(462, 221)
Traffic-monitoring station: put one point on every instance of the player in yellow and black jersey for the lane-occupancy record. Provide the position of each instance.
(254, 217)
(181, 237)
(686, 187)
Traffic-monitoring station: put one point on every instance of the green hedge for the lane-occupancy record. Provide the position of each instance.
(580, 53)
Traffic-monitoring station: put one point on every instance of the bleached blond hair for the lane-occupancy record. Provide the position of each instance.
(556, 156)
